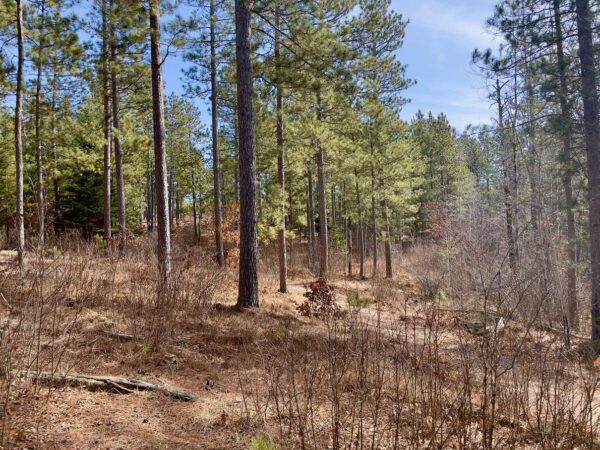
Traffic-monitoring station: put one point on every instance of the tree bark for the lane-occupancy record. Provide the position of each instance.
(106, 176)
(361, 231)
(566, 128)
(280, 160)
(149, 195)
(20, 219)
(388, 240)
(170, 195)
(592, 145)
(160, 165)
(248, 271)
(373, 218)
(506, 181)
(194, 211)
(216, 150)
(311, 213)
(116, 122)
(349, 245)
(38, 130)
(323, 231)
(55, 177)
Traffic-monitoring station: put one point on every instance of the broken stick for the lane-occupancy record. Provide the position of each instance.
(108, 383)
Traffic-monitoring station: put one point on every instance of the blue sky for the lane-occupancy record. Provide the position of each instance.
(440, 38)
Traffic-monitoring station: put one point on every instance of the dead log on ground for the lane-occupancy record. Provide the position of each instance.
(120, 385)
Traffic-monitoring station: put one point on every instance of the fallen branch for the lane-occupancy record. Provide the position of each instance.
(116, 335)
(8, 305)
(120, 385)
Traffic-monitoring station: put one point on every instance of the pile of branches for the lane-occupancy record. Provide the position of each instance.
(320, 300)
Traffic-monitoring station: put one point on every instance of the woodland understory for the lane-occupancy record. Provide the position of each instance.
(455, 351)
(308, 269)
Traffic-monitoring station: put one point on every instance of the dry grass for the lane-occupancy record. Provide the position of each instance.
(396, 370)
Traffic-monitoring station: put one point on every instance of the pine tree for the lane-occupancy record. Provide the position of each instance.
(160, 165)
(591, 114)
(20, 214)
(248, 271)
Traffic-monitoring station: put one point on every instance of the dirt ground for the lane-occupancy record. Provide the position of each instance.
(214, 356)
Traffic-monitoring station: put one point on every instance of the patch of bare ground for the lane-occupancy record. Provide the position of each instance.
(403, 365)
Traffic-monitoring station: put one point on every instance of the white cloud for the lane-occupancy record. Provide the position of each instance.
(462, 19)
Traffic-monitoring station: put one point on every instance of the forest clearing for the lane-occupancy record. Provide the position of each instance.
(272, 225)
(401, 364)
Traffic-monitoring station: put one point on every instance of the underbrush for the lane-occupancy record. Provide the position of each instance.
(402, 382)
(55, 310)
(419, 361)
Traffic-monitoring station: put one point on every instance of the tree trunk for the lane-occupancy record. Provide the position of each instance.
(236, 170)
(116, 122)
(20, 219)
(38, 131)
(361, 231)
(532, 154)
(149, 195)
(506, 181)
(311, 213)
(388, 241)
(333, 211)
(170, 194)
(216, 150)
(323, 232)
(160, 165)
(248, 271)
(55, 177)
(592, 145)
(566, 128)
(194, 212)
(373, 219)
(106, 176)
(280, 161)
(349, 245)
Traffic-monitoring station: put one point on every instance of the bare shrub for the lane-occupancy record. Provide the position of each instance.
(320, 300)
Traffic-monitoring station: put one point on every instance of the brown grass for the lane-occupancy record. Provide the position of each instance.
(399, 370)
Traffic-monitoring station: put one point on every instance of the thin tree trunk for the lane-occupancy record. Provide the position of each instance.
(38, 130)
(388, 241)
(506, 181)
(323, 231)
(160, 165)
(149, 194)
(170, 195)
(106, 177)
(248, 271)
(216, 151)
(333, 211)
(566, 127)
(592, 143)
(311, 213)
(373, 219)
(194, 212)
(20, 219)
(280, 161)
(116, 122)
(349, 245)
(236, 170)
(532, 155)
(361, 232)
(55, 177)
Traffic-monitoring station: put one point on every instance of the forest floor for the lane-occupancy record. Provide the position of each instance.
(220, 354)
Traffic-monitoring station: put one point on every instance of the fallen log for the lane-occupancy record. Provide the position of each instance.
(116, 335)
(121, 385)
